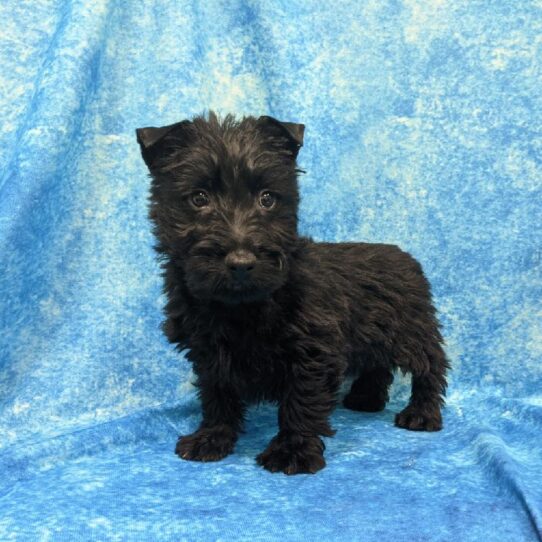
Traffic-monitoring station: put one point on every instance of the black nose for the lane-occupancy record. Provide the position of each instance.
(240, 263)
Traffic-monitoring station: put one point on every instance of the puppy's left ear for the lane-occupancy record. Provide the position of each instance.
(154, 141)
(290, 130)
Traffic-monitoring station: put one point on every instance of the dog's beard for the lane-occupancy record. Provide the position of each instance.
(207, 278)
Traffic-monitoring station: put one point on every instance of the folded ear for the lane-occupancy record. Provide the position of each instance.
(155, 144)
(290, 130)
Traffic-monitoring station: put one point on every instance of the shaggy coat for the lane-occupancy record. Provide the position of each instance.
(267, 315)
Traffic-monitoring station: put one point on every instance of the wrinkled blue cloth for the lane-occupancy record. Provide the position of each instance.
(423, 129)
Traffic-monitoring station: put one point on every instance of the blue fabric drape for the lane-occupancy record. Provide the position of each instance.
(423, 129)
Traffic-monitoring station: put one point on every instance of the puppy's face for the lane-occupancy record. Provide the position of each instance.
(224, 202)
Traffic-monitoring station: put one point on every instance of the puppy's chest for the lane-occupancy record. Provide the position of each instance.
(255, 364)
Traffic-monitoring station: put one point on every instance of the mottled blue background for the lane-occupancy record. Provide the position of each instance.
(423, 129)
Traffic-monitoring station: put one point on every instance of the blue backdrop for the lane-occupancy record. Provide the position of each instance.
(423, 129)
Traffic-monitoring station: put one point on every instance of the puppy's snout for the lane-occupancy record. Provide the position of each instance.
(240, 263)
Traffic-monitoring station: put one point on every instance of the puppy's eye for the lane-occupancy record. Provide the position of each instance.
(267, 199)
(199, 199)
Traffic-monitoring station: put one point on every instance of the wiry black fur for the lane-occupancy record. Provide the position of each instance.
(309, 313)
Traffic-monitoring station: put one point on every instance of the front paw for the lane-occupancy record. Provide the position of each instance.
(207, 444)
(293, 454)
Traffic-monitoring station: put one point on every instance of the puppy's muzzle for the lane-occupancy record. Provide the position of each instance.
(240, 263)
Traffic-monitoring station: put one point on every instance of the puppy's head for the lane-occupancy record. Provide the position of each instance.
(224, 202)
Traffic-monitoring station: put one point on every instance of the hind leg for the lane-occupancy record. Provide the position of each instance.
(428, 390)
(369, 392)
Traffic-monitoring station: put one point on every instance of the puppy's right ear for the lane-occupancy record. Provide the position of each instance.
(158, 143)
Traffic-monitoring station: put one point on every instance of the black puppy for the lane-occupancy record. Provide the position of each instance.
(268, 315)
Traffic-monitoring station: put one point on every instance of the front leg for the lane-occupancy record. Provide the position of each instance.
(307, 402)
(222, 420)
